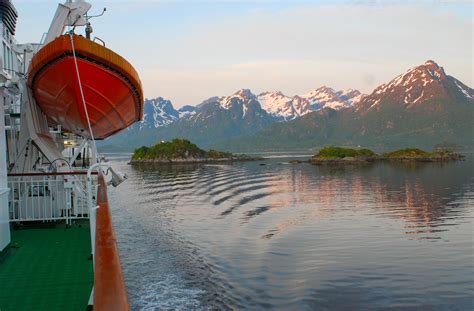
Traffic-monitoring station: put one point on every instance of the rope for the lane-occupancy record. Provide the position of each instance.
(83, 98)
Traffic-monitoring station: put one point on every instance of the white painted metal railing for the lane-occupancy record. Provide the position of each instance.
(49, 197)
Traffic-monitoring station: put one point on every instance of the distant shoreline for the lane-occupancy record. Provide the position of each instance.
(351, 160)
(343, 156)
(194, 161)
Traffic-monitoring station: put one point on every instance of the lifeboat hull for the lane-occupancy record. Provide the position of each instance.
(111, 87)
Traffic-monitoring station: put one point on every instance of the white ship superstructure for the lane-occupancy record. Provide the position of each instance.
(57, 96)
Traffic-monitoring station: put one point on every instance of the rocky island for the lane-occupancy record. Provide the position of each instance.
(339, 155)
(182, 151)
(418, 155)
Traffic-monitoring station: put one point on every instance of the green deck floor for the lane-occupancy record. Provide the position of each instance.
(47, 269)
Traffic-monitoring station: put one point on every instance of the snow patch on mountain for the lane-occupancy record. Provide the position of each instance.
(326, 97)
(187, 111)
(281, 106)
(244, 111)
(464, 89)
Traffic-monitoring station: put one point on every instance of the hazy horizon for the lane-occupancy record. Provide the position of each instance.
(188, 51)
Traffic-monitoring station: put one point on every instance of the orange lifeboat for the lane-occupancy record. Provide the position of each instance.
(112, 89)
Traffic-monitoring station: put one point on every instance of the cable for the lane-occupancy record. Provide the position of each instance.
(83, 98)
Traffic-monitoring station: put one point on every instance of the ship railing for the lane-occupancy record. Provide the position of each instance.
(47, 197)
(109, 285)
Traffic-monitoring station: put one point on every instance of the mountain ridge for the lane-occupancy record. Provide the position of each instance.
(422, 107)
(423, 100)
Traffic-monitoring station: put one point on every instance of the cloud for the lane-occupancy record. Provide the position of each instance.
(365, 33)
(301, 48)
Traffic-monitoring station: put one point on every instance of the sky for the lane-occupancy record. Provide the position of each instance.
(188, 51)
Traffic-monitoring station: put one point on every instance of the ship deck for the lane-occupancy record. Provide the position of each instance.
(47, 268)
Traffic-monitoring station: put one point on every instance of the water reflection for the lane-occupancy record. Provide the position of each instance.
(242, 233)
(421, 194)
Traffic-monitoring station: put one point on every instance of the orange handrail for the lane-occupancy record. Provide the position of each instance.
(109, 285)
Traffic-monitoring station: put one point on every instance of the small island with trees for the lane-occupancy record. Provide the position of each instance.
(339, 155)
(182, 151)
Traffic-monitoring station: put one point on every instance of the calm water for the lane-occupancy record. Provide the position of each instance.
(297, 237)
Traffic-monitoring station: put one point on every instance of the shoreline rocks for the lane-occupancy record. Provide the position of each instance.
(448, 158)
(341, 161)
(366, 160)
(343, 155)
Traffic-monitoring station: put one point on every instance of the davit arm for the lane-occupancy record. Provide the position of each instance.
(70, 13)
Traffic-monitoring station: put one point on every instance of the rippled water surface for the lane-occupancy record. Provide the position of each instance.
(297, 237)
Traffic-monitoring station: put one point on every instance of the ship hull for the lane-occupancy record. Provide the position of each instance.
(112, 90)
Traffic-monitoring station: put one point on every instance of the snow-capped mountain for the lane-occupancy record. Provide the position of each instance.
(243, 104)
(240, 100)
(187, 111)
(326, 97)
(350, 95)
(158, 112)
(423, 107)
(215, 119)
(416, 86)
(287, 108)
(283, 107)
